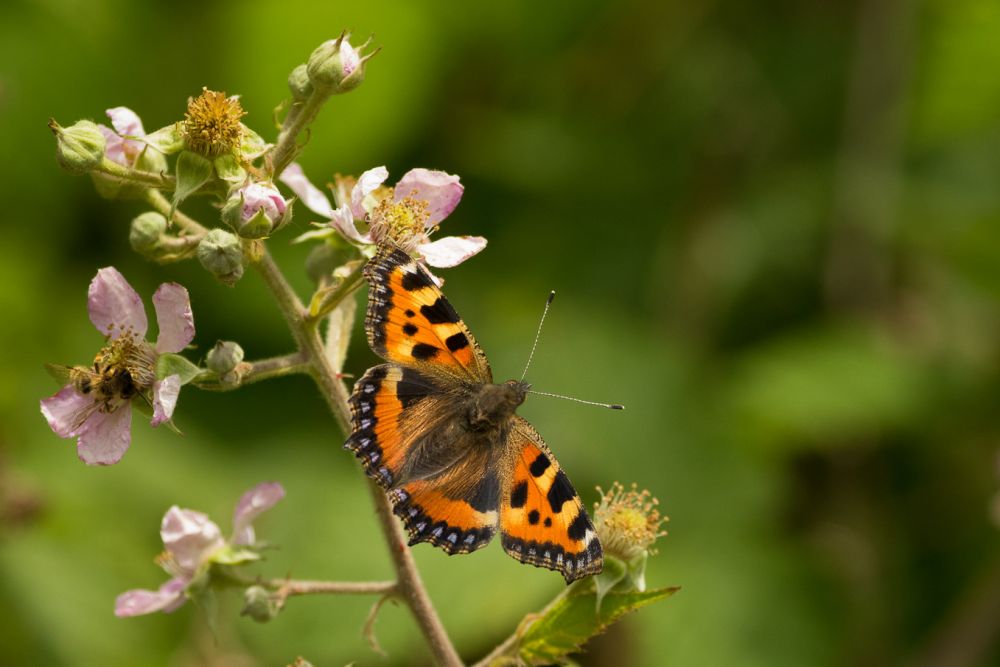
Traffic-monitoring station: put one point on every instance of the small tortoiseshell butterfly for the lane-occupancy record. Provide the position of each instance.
(433, 429)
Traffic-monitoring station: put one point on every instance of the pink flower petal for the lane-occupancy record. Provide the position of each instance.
(349, 57)
(66, 411)
(105, 436)
(114, 306)
(189, 536)
(115, 148)
(252, 504)
(308, 194)
(451, 250)
(343, 221)
(136, 602)
(367, 183)
(441, 191)
(173, 318)
(262, 196)
(165, 393)
(126, 122)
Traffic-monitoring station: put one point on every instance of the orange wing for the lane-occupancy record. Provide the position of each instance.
(410, 322)
(542, 520)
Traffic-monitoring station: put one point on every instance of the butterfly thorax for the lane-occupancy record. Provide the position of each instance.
(492, 405)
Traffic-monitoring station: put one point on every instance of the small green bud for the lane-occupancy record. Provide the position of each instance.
(224, 357)
(299, 84)
(79, 147)
(259, 604)
(146, 231)
(221, 253)
(337, 66)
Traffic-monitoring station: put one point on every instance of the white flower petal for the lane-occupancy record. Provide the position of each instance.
(165, 393)
(349, 57)
(367, 183)
(189, 536)
(65, 411)
(441, 191)
(126, 122)
(343, 221)
(114, 306)
(105, 436)
(308, 194)
(451, 250)
(173, 318)
(252, 504)
(137, 602)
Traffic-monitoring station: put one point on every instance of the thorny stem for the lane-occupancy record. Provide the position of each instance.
(410, 586)
(112, 168)
(299, 117)
(185, 223)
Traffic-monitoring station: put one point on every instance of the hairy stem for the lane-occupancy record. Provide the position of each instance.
(255, 371)
(410, 586)
(286, 588)
(298, 119)
(121, 172)
(185, 223)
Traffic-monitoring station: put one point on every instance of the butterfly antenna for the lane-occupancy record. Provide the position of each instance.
(548, 302)
(612, 406)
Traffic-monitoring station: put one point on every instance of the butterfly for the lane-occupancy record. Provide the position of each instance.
(433, 429)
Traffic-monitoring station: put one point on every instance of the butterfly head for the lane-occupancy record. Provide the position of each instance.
(494, 404)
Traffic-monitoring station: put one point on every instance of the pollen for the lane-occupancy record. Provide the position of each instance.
(628, 522)
(211, 126)
(404, 222)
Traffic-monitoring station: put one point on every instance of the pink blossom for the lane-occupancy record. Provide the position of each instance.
(120, 148)
(262, 197)
(95, 406)
(192, 541)
(436, 192)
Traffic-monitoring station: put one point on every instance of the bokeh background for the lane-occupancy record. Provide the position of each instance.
(774, 229)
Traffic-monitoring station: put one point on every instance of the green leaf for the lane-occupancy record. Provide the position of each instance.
(175, 364)
(193, 171)
(252, 145)
(166, 139)
(574, 619)
(613, 573)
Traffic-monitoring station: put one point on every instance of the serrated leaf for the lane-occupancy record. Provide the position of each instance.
(166, 139)
(175, 364)
(571, 621)
(193, 171)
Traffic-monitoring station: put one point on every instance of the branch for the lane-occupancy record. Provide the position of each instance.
(130, 175)
(410, 587)
(286, 588)
(249, 372)
(185, 223)
(298, 118)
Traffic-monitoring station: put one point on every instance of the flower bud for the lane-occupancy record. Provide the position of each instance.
(299, 84)
(79, 147)
(222, 255)
(337, 66)
(256, 210)
(259, 604)
(146, 231)
(224, 357)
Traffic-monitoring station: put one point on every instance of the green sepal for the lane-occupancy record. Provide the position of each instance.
(174, 364)
(613, 573)
(252, 145)
(167, 140)
(572, 620)
(637, 571)
(257, 227)
(193, 171)
(234, 555)
(228, 168)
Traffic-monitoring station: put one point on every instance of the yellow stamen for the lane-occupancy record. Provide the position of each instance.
(211, 126)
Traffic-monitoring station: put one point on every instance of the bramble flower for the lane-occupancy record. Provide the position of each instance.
(211, 125)
(628, 524)
(256, 210)
(121, 148)
(406, 215)
(94, 406)
(193, 543)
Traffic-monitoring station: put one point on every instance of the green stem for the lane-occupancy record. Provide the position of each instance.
(112, 168)
(185, 223)
(286, 588)
(256, 371)
(298, 119)
(410, 587)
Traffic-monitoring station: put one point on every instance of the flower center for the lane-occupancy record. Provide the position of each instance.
(628, 522)
(211, 125)
(126, 366)
(403, 222)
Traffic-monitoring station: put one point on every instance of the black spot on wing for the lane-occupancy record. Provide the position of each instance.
(409, 329)
(409, 313)
(416, 281)
(411, 388)
(548, 522)
(519, 496)
(533, 517)
(423, 351)
(487, 495)
(578, 529)
(456, 342)
(560, 492)
(439, 312)
(539, 465)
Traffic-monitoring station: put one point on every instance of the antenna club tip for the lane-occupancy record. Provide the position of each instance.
(552, 296)
(617, 407)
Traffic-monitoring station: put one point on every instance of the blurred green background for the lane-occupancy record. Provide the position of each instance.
(774, 229)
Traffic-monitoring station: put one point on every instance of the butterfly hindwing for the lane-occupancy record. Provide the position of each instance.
(542, 520)
(410, 322)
